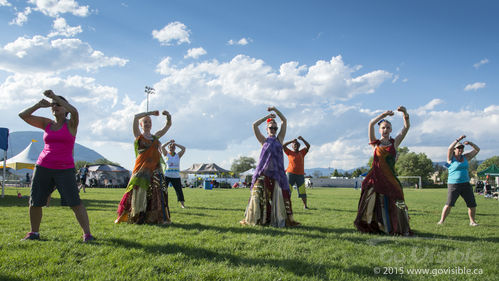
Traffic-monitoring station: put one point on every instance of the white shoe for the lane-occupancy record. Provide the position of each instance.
(473, 224)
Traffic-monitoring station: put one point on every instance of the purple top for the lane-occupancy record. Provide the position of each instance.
(271, 163)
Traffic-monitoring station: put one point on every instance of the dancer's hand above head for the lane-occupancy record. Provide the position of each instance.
(44, 103)
(49, 94)
(155, 113)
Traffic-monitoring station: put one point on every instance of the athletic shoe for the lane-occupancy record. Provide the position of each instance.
(31, 236)
(88, 238)
(473, 224)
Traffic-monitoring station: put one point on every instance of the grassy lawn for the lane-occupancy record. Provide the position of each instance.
(206, 242)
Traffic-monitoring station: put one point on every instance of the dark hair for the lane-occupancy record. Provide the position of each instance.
(64, 99)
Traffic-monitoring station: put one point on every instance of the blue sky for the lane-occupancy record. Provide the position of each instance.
(329, 66)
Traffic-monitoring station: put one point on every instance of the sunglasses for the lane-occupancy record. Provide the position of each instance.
(273, 128)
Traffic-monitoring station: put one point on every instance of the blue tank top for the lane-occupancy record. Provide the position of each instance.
(458, 171)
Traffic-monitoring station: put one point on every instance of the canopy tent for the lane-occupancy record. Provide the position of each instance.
(107, 175)
(249, 172)
(26, 159)
(210, 168)
(492, 170)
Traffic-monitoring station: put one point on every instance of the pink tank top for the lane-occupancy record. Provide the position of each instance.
(58, 150)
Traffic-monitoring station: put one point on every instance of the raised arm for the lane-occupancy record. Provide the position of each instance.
(167, 126)
(472, 153)
(374, 121)
(136, 119)
(74, 117)
(182, 150)
(288, 142)
(163, 148)
(404, 130)
(305, 142)
(450, 150)
(282, 131)
(36, 121)
(256, 129)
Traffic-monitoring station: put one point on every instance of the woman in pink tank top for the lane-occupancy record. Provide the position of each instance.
(55, 165)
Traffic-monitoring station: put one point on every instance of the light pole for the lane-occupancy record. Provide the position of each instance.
(149, 91)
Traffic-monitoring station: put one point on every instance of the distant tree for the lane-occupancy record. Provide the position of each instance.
(485, 164)
(359, 171)
(347, 174)
(440, 170)
(80, 164)
(472, 167)
(243, 164)
(336, 173)
(104, 161)
(414, 164)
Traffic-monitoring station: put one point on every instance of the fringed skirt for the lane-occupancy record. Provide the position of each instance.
(141, 205)
(378, 214)
(269, 205)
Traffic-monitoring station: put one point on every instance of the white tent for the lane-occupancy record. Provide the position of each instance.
(249, 172)
(26, 159)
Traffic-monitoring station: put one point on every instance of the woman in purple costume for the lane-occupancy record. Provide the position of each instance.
(270, 201)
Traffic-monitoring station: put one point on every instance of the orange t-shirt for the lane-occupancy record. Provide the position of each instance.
(296, 161)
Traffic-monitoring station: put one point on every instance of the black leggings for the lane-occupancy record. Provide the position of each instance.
(178, 187)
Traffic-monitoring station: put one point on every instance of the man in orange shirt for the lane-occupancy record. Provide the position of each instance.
(296, 167)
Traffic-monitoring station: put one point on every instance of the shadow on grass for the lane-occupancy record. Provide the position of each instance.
(13, 201)
(216, 209)
(307, 231)
(10, 277)
(296, 266)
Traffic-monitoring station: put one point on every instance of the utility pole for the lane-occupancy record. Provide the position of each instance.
(149, 91)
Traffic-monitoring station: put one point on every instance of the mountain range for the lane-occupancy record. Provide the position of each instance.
(18, 141)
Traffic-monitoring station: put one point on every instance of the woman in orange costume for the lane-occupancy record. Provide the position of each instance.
(382, 207)
(146, 198)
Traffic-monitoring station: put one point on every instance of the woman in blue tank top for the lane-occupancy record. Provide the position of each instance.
(458, 181)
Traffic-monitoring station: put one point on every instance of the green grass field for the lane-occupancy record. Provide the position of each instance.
(206, 242)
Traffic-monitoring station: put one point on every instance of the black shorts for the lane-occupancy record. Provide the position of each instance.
(463, 189)
(44, 181)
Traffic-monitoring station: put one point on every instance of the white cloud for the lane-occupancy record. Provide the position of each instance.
(61, 28)
(475, 86)
(195, 53)
(175, 31)
(42, 54)
(242, 41)
(220, 100)
(5, 3)
(54, 8)
(395, 78)
(430, 106)
(22, 17)
(480, 63)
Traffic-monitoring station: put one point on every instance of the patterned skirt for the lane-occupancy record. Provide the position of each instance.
(141, 205)
(378, 214)
(269, 205)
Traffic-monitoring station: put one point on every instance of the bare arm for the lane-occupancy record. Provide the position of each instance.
(404, 131)
(473, 153)
(371, 133)
(137, 117)
(256, 130)
(167, 126)
(74, 119)
(305, 142)
(450, 150)
(282, 131)
(182, 150)
(36, 121)
(288, 142)
(163, 148)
